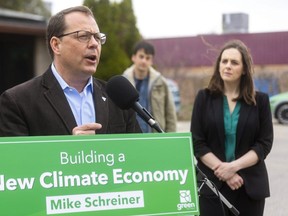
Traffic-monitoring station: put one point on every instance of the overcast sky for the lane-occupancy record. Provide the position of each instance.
(178, 18)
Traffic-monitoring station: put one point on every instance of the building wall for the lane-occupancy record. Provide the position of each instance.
(271, 79)
(16, 59)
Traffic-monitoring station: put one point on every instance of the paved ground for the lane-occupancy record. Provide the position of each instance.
(277, 165)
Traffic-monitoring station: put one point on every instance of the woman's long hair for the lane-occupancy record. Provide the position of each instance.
(247, 91)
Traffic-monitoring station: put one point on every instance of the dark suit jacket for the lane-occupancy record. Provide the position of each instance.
(254, 131)
(39, 107)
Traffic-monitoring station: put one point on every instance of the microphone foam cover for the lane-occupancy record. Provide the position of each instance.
(121, 92)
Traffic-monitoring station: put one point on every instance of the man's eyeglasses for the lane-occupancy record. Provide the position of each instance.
(85, 36)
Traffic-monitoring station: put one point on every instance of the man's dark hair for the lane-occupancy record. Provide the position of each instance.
(148, 48)
(57, 25)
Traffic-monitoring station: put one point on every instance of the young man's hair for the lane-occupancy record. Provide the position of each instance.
(147, 47)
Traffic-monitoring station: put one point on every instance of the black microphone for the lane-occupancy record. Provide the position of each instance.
(125, 96)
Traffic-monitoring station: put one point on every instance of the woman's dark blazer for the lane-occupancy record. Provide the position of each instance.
(39, 107)
(254, 131)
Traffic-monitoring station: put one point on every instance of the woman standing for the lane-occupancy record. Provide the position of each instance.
(232, 134)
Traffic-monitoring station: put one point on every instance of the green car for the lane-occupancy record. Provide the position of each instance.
(279, 107)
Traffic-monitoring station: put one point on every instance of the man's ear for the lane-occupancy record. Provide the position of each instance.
(133, 58)
(55, 44)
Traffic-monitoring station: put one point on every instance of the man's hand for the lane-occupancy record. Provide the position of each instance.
(86, 129)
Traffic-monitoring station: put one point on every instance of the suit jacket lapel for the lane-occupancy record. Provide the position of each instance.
(243, 117)
(219, 117)
(57, 99)
(101, 107)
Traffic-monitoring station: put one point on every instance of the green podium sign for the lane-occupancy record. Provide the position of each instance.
(101, 175)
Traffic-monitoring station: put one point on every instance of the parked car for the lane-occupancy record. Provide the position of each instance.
(279, 107)
(173, 86)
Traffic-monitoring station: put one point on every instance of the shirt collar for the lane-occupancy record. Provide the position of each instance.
(64, 85)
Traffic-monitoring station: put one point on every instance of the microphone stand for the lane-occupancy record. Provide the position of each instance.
(147, 117)
(209, 183)
(215, 190)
